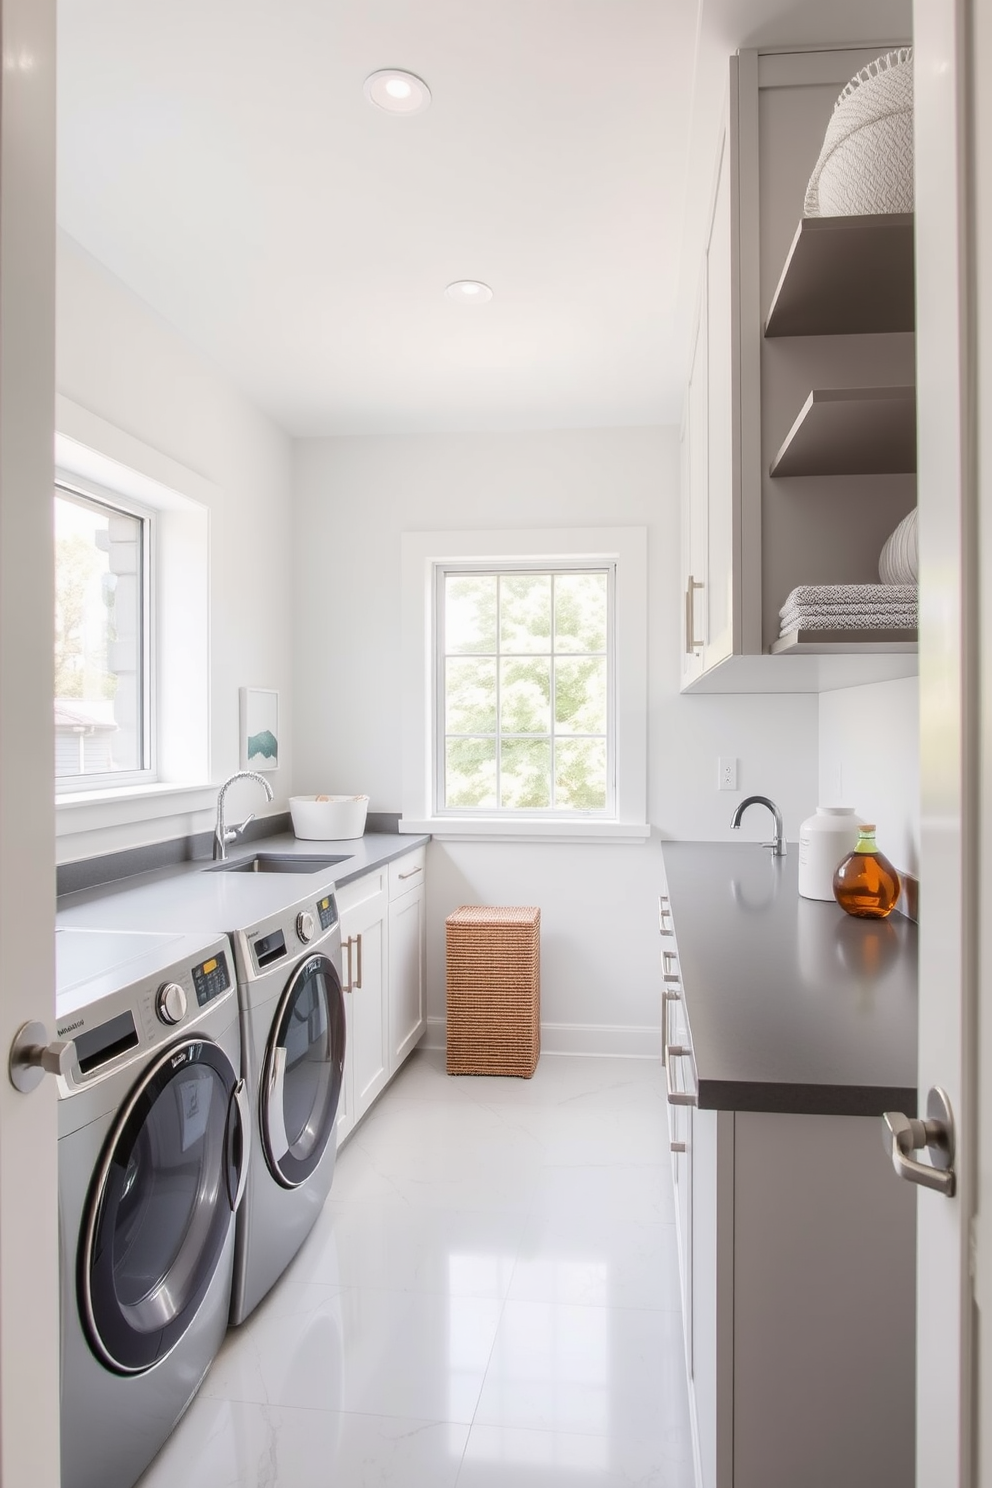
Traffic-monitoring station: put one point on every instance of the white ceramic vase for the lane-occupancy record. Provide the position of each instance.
(825, 840)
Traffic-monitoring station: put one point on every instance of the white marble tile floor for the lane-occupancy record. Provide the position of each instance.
(490, 1299)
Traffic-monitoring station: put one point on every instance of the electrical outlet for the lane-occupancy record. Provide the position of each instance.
(727, 779)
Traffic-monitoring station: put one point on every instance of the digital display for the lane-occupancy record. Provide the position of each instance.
(100, 1044)
(211, 979)
(328, 911)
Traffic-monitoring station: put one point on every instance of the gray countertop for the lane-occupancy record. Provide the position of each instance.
(194, 896)
(792, 1004)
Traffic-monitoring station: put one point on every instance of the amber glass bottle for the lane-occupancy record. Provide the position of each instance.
(866, 884)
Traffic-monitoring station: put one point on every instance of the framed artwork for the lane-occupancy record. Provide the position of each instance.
(259, 729)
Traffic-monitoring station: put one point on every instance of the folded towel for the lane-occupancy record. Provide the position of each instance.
(843, 620)
(852, 611)
(850, 596)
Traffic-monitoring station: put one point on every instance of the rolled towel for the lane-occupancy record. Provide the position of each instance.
(849, 596)
(899, 561)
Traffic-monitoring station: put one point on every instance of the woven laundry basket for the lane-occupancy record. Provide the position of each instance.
(494, 989)
(866, 164)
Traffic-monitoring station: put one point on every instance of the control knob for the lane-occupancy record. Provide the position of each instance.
(305, 926)
(170, 1003)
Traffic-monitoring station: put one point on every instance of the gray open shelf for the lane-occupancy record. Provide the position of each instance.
(845, 642)
(852, 431)
(846, 276)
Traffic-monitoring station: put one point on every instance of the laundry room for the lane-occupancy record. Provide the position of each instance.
(466, 641)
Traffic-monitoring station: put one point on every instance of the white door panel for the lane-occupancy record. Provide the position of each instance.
(29, 1322)
(946, 718)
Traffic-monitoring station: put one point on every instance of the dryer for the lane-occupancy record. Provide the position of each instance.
(154, 1139)
(293, 1041)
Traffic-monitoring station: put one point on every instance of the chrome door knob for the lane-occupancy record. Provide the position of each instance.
(305, 926)
(32, 1057)
(904, 1135)
(170, 1003)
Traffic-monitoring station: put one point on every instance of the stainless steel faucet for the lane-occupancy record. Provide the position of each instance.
(222, 833)
(778, 846)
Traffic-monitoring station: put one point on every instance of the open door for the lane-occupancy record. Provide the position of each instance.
(950, 642)
(29, 1321)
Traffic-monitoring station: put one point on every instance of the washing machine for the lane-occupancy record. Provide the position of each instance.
(287, 954)
(154, 1142)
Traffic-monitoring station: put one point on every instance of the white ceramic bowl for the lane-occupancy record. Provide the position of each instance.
(328, 818)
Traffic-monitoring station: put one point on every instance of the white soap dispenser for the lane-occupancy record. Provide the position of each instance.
(825, 840)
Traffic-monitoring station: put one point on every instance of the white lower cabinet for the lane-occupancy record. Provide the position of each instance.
(801, 1316)
(382, 964)
(407, 979)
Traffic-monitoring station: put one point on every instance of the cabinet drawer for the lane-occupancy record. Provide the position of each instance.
(407, 873)
(350, 895)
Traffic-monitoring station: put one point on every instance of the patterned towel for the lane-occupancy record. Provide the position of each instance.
(844, 620)
(849, 597)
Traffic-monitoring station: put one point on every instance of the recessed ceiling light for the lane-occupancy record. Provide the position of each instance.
(469, 292)
(397, 92)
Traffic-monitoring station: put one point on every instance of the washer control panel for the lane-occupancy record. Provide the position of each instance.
(211, 978)
(305, 926)
(170, 1003)
(328, 910)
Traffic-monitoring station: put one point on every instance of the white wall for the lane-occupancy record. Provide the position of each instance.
(869, 750)
(117, 359)
(354, 497)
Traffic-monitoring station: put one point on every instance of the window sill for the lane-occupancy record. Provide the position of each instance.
(487, 829)
(81, 811)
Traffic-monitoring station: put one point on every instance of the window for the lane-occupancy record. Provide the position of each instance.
(102, 641)
(525, 682)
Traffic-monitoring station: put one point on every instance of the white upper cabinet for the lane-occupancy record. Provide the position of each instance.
(750, 536)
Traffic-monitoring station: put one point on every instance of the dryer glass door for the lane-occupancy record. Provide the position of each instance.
(160, 1207)
(304, 1068)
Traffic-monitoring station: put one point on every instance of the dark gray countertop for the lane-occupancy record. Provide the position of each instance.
(194, 896)
(792, 1005)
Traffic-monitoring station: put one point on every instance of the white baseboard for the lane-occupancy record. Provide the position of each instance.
(617, 1040)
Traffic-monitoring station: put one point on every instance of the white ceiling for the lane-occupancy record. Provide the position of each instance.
(220, 158)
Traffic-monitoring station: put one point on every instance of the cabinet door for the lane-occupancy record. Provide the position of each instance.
(365, 958)
(407, 1013)
(695, 515)
(718, 596)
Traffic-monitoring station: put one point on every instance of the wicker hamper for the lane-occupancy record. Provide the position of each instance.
(494, 989)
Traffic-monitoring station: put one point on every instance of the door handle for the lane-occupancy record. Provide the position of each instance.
(32, 1056)
(907, 1134)
(275, 1116)
(691, 644)
(357, 983)
(241, 1104)
(346, 946)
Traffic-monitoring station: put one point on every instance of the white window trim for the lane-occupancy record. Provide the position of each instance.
(626, 547)
(89, 450)
(146, 774)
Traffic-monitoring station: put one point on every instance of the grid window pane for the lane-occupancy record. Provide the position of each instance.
(525, 691)
(525, 696)
(580, 774)
(525, 613)
(525, 774)
(470, 613)
(580, 695)
(581, 612)
(99, 646)
(470, 695)
(470, 773)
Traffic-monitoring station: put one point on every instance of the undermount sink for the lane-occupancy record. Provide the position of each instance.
(278, 863)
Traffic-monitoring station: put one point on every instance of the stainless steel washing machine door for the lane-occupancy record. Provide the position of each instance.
(160, 1207)
(301, 1077)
